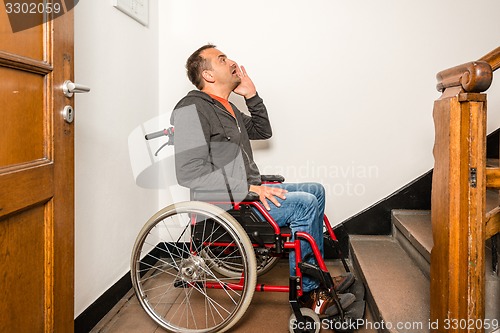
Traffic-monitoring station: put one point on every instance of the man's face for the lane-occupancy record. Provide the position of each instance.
(224, 70)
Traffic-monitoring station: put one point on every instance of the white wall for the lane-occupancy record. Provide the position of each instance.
(118, 58)
(349, 85)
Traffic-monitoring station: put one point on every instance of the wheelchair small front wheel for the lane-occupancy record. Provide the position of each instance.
(311, 323)
(175, 283)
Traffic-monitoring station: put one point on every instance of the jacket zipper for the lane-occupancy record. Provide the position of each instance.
(239, 130)
(235, 119)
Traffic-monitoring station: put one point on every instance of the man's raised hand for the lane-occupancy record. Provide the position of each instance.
(246, 88)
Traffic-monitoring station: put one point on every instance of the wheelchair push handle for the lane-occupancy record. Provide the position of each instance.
(169, 132)
(165, 132)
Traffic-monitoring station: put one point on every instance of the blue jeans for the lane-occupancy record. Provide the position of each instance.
(302, 210)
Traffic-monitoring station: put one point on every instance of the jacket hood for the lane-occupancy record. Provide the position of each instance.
(195, 94)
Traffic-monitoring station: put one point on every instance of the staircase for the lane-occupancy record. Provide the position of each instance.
(434, 272)
(396, 270)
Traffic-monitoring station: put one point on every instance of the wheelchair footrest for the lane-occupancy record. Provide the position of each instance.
(314, 271)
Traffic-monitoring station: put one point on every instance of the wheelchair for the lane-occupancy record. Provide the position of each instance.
(195, 264)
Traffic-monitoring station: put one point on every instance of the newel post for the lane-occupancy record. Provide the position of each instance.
(458, 199)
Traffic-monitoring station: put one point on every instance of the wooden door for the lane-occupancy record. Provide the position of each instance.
(36, 177)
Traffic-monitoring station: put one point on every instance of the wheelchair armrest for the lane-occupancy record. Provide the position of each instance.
(252, 196)
(272, 179)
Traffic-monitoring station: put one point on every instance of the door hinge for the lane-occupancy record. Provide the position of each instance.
(473, 177)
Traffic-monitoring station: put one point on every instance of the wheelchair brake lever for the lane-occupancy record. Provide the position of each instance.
(161, 147)
(170, 142)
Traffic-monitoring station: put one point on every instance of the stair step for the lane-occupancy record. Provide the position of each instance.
(413, 229)
(397, 290)
(416, 225)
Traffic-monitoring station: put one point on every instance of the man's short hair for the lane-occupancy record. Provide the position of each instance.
(196, 64)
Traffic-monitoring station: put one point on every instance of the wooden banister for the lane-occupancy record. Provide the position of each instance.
(493, 178)
(493, 59)
(492, 226)
(458, 209)
(460, 224)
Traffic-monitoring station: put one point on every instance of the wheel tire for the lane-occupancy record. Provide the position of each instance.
(176, 285)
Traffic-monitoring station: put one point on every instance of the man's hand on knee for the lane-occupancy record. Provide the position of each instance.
(269, 193)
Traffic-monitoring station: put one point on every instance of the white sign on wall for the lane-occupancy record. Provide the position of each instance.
(137, 9)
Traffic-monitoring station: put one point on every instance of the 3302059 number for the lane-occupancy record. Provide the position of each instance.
(470, 324)
(32, 8)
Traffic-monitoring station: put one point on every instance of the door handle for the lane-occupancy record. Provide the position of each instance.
(69, 88)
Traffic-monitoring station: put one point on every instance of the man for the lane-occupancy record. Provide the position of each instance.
(220, 158)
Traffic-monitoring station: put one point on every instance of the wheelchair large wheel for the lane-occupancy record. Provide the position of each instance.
(176, 283)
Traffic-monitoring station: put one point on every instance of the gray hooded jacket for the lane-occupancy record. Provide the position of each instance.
(212, 148)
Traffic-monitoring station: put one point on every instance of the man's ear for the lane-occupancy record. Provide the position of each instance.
(208, 76)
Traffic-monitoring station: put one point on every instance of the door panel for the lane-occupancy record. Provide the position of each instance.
(22, 241)
(36, 178)
(22, 138)
(27, 43)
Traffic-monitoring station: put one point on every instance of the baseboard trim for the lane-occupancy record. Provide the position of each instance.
(89, 318)
(376, 220)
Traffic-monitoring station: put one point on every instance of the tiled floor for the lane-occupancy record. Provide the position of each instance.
(268, 312)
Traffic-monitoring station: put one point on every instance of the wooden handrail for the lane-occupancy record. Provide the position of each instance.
(493, 59)
(475, 76)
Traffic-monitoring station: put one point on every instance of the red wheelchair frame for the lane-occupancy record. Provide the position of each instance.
(282, 243)
(290, 245)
